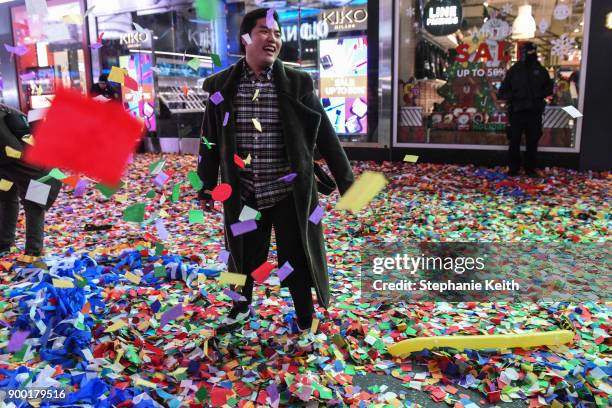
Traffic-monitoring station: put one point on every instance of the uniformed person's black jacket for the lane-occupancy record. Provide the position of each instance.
(525, 86)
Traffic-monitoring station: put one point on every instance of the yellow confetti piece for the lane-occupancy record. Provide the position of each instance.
(63, 284)
(257, 124)
(232, 278)
(5, 185)
(135, 279)
(73, 19)
(119, 324)
(362, 191)
(410, 158)
(15, 154)
(39, 90)
(163, 214)
(29, 139)
(6, 265)
(117, 75)
(121, 198)
(145, 383)
(314, 326)
(256, 94)
(247, 161)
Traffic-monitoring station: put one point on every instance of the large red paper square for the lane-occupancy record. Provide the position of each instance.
(85, 136)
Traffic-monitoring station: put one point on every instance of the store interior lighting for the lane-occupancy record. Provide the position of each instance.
(524, 26)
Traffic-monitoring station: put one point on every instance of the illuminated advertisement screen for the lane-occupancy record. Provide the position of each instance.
(140, 103)
(343, 68)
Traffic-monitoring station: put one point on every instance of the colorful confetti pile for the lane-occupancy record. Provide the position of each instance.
(123, 309)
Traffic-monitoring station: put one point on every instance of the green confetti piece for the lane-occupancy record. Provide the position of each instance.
(57, 174)
(194, 180)
(159, 249)
(134, 213)
(206, 9)
(196, 217)
(216, 59)
(176, 192)
(160, 271)
(206, 142)
(156, 167)
(194, 63)
(108, 191)
(151, 194)
(202, 394)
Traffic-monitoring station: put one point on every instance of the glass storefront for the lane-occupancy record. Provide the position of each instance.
(157, 45)
(453, 56)
(54, 51)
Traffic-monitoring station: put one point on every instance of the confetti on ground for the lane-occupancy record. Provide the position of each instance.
(113, 342)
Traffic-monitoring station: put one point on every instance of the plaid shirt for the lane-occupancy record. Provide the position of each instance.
(259, 180)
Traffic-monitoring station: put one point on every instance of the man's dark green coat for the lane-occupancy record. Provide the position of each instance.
(305, 127)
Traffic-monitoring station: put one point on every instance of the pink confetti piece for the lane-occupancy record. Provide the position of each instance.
(225, 119)
(17, 340)
(161, 179)
(316, 215)
(80, 188)
(224, 256)
(272, 392)
(19, 50)
(288, 178)
(237, 297)
(243, 227)
(28, 76)
(216, 98)
(284, 271)
(162, 233)
(270, 18)
(171, 314)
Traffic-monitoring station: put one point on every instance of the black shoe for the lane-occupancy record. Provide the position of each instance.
(513, 173)
(236, 318)
(304, 324)
(532, 173)
(34, 252)
(5, 250)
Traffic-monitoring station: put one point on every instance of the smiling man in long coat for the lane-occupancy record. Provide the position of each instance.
(266, 111)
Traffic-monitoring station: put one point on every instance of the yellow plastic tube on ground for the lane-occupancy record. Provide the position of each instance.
(493, 341)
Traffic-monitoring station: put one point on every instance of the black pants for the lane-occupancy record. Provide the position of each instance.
(530, 123)
(35, 222)
(289, 248)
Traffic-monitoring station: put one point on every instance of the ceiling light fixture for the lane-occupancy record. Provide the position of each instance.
(524, 25)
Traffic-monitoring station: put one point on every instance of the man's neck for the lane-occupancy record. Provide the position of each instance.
(259, 71)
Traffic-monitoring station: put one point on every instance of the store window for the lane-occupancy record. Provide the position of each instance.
(55, 42)
(454, 55)
(156, 43)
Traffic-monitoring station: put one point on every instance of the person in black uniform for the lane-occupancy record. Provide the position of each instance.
(15, 176)
(524, 88)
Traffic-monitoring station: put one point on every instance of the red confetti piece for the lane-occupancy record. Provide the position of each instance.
(130, 83)
(262, 272)
(239, 162)
(222, 192)
(103, 131)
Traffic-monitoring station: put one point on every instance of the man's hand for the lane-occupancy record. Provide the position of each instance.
(207, 204)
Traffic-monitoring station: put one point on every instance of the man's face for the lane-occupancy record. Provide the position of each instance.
(266, 44)
(102, 84)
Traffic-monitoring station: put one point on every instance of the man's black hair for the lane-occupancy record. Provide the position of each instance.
(250, 20)
(103, 78)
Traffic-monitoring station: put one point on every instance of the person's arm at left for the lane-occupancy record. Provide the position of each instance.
(329, 146)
